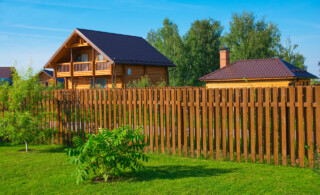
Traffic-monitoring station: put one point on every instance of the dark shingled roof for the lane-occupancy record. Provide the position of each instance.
(50, 73)
(5, 72)
(125, 49)
(258, 68)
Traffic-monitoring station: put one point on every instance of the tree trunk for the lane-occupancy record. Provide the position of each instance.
(26, 143)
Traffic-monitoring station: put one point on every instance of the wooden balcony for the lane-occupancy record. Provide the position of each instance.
(63, 70)
(103, 68)
(82, 68)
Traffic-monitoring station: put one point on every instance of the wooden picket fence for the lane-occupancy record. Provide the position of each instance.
(272, 125)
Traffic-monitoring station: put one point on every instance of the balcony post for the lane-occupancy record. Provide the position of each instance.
(55, 75)
(71, 67)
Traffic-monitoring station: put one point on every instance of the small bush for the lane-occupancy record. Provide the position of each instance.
(107, 153)
(144, 81)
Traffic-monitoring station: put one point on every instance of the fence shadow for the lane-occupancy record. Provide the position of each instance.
(178, 172)
(53, 150)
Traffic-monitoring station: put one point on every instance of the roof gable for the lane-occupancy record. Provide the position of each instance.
(258, 68)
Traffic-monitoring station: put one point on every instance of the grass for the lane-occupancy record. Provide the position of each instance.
(45, 171)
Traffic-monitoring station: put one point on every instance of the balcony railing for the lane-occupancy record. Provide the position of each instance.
(64, 67)
(102, 66)
(82, 66)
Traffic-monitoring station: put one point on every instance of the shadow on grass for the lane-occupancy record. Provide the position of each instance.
(178, 172)
(53, 150)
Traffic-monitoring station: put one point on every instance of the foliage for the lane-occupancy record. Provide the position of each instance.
(288, 54)
(316, 159)
(197, 52)
(202, 43)
(144, 81)
(251, 38)
(106, 154)
(21, 123)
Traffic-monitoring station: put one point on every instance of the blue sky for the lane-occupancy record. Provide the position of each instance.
(34, 29)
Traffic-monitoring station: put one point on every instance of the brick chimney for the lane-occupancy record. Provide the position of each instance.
(224, 56)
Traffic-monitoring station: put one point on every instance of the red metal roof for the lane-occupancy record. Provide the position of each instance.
(258, 68)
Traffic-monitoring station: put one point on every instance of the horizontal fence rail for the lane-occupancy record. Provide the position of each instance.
(272, 125)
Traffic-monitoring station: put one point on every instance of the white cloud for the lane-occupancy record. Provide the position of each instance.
(39, 28)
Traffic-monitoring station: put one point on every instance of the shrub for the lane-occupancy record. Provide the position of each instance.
(144, 81)
(107, 153)
(22, 120)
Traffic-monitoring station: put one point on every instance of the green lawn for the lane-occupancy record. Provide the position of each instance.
(45, 171)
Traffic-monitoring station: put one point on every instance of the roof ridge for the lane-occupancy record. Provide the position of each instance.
(109, 33)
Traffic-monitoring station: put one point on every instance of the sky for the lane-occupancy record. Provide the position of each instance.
(32, 30)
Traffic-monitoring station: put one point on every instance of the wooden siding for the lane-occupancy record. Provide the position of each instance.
(261, 83)
(43, 78)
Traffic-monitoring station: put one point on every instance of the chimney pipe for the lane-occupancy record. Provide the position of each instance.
(224, 56)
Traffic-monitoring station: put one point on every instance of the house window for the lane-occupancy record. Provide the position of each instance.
(100, 57)
(100, 83)
(129, 71)
(82, 57)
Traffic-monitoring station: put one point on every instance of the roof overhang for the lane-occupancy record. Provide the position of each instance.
(75, 32)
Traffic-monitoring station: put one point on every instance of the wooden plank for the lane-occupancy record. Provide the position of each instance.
(124, 97)
(130, 107)
(105, 109)
(86, 111)
(267, 123)
(100, 109)
(223, 123)
(252, 125)
(292, 125)
(135, 108)
(197, 122)
(204, 121)
(210, 120)
(173, 120)
(309, 121)
(167, 118)
(110, 109)
(161, 121)
(275, 126)
(140, 107)
(179, 119)
(145, 118)
(217, 124)
(150, 119)
(191, 128)
(156, 126)
(259, 116)
(300, 126)
(185, 122)
(114, 103)
(245, 123)
(283, 125)
(317, 119)
(120, 124)
(231, 120)
(237, 124)
(91, 111)
(95, 115)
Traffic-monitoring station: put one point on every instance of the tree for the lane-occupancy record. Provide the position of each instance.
(168, 41)
(202, 43)
(288, 54)
(251, 38)
(22, 122)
